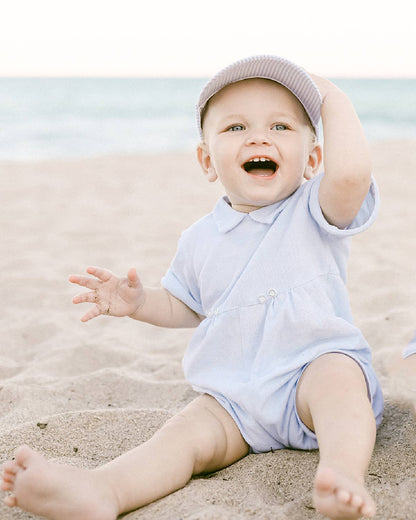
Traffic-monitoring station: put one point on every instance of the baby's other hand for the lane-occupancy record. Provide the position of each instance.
(324, 85)
(112, 295)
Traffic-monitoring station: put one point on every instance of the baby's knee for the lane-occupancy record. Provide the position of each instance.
(212, 435)
(194, 437)
(333, 369)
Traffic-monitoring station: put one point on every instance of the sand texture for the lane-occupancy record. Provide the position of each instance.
(84, 393)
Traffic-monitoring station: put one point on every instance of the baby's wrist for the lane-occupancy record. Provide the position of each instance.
(135, 315)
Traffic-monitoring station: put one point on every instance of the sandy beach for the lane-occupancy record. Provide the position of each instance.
(85, 393)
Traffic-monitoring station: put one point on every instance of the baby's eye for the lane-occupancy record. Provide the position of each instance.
(279, 126)
(235, 128)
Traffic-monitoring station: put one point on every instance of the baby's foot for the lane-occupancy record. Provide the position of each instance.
(56, 491)
(340, 497)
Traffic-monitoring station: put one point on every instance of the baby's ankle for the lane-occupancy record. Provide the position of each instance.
(343, 468)
(111, 488)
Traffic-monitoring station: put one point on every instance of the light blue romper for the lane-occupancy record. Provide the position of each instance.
(411, 348)
(271, 284)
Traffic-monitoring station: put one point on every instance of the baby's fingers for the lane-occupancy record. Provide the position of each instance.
(86, 297)
(84, 281)
(132, 278)
(102, 274)
(92, 313)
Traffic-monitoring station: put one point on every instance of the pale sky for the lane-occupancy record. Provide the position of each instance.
(193, 38)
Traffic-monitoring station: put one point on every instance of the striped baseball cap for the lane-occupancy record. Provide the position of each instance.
(275, 68)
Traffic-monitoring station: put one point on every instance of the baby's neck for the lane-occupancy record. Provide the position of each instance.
(245, 208)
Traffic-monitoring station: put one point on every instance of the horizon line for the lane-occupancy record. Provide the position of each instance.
(185, 76)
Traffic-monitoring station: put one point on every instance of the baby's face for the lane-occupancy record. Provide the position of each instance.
(258, 141)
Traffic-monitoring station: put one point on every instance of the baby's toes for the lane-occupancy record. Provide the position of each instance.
(8, 480)
(7, 486)
(357, 501)
(10, 468)
(10, 501)
(368, 510)
(343, 496)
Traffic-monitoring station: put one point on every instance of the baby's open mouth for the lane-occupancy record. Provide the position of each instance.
(260, 166)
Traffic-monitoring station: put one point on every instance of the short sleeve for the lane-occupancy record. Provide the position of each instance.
(362, 221)
(411, 348)
(180, 279)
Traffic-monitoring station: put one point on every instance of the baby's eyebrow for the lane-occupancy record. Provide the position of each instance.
(272, 115)
(233, 117)
(279, 114)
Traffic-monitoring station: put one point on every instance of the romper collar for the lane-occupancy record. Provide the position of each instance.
(226, 218)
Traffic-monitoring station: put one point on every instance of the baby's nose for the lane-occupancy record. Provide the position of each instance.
(258, 137)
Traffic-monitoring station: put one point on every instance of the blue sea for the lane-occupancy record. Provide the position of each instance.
(46, 118)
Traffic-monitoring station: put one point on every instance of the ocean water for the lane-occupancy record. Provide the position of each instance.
(45, 118)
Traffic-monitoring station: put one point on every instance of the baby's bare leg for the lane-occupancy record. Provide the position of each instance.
(332, 401)
(202, 438)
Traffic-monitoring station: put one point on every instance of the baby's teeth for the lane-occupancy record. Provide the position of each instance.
(263, 159)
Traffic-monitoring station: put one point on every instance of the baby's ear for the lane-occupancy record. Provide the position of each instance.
(308, 173)
(314, 162)
(204, 160)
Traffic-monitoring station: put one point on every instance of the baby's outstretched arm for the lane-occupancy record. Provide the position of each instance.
(347, 163)
(125, 296)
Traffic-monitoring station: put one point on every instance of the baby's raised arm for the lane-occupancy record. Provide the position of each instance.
(126, 296)
(347, 165)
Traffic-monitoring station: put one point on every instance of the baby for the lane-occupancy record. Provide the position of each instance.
(275, 356)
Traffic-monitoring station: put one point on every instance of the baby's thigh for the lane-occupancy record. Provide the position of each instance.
(212, 433)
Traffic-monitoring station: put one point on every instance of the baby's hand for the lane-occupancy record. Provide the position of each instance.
(111, 295)
(324, 85)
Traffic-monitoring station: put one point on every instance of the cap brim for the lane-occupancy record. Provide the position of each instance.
(275, 68)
